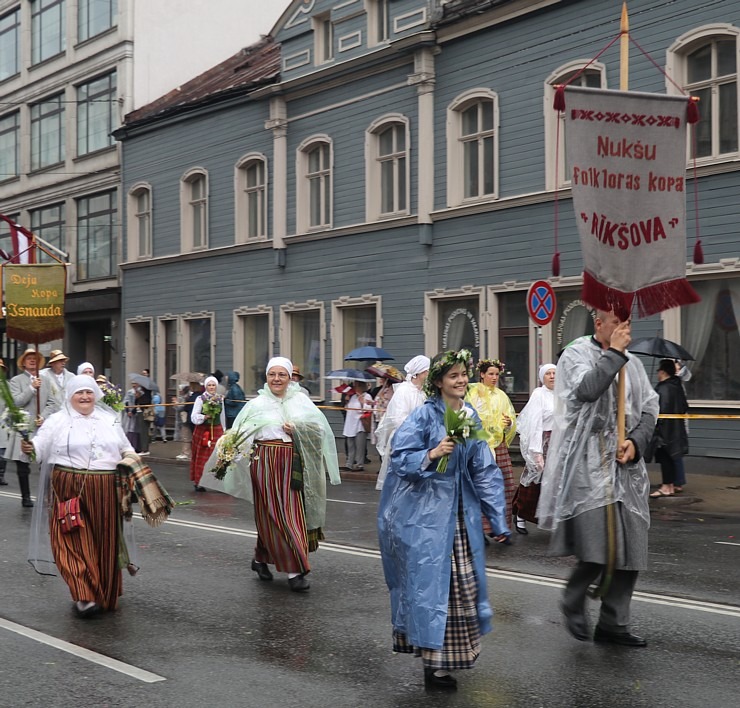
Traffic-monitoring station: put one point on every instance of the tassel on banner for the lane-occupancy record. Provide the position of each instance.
(698, 253)
(692, 111)
(559, 101)
(556, 264)
(650, 300)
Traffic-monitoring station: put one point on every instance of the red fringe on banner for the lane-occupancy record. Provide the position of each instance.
(650, 300)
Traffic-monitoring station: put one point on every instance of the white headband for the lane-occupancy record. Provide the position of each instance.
(83, 382)
(543, 370)
(85, 365)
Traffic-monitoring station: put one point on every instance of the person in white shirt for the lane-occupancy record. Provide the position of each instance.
(354, 429)
(57, 376)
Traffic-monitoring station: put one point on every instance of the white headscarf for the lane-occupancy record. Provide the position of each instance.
(82, 382)
(210, 378)
(280, 361)
(85, 365)
(543, 370)
(417, 365)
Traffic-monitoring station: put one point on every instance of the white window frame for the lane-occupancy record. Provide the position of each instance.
(552, 117)
(240, 315)
(323, 38)
(44, 116)
(134, 221)
(373, 171)
(338, 308)
(241, 199)
(85, 30)
(87, 112)
(378, 11)
(431, 314)
(187, 204)
(185, 337)
(676, 68)
(291, 308)
(455, 151)
(41, 10)
(303, 188)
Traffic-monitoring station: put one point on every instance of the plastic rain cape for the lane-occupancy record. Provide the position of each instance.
(581, 471)
(531, 423)
(40, 555)
(313, 439)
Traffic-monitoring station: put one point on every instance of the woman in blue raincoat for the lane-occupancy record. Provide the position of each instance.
(429, 526)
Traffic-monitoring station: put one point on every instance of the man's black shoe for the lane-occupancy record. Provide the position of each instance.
(445, 682)
(576, 624)
(26, 501)
(625, 639)
(262, 570)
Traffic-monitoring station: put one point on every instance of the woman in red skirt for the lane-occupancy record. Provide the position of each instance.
(209, 419)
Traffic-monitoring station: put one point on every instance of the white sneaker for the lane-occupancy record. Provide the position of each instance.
(141, 454)
(182, 457)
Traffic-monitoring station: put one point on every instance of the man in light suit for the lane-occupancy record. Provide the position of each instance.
(31, 393)
(57, 376)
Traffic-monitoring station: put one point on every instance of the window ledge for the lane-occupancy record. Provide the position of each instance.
(45, 168)
(93, 38)
(95, 153)
(48, 60)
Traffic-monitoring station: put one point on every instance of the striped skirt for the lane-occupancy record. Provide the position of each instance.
(282, 538)
(87, 558)
(201, 450)
(461, 645)
(503, 460)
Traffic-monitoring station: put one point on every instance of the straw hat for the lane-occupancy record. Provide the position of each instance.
(2, 363)
(100, 378)
(297, 372)
(40, 361)
(57, 355)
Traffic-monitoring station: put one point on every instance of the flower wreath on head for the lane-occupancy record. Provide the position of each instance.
(446, 361)
(487, 363)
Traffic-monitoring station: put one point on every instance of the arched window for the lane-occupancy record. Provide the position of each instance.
(592, 77)
(387, 167)
(194, 210)
(705, 63)
(251, 198)
(140, 222)
(472, 147)
(314, 184)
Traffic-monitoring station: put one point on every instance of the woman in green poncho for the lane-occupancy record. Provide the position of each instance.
(285, 450)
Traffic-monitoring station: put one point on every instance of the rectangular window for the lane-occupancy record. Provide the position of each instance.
(319, 186)
(256, 342)
(513, 346)
(9, 146)
(305, 347)
(97, 244)
(48, 36)
(359, 327)
(199, 344)
(323, 30)
(96, 111)
(6, 242)
(94, 17)
(392, 160)
(47, 133)
(48, 224)
(9, 45)
(378, 21)
(478, 157)
(198, 211)
(709, 331)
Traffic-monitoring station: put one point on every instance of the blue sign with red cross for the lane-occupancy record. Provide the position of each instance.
(541, 302)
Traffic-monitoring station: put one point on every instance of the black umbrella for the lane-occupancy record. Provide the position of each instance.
(659, 347)
(368, 354)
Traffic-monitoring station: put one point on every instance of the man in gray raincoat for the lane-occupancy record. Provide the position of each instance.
(589, 476)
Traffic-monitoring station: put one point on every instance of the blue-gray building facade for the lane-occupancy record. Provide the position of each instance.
(389, 177)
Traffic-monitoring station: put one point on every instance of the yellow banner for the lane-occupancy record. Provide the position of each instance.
(34, 301)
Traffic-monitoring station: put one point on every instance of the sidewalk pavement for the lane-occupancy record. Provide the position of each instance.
(703, 493)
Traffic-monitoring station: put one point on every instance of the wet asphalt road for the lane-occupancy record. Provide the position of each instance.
(197, 617)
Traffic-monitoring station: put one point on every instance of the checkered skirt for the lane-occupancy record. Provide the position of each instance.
(461, 645)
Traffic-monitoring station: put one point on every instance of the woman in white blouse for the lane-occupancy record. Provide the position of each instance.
(81, 445)
(354, 430)
(209, 418)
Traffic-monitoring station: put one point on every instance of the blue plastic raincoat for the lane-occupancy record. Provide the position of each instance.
(416, 523)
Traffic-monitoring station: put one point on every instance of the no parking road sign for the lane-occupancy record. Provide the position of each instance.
(541, 302)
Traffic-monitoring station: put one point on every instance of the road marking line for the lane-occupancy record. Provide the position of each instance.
(343, 501)
(87, 654)
(727, 543)
(511, 575)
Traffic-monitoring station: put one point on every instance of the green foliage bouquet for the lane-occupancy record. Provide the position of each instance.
(460, 427)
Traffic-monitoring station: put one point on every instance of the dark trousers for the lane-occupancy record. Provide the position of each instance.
(615, 605)
(667, 467)
(24, 472)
